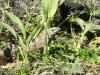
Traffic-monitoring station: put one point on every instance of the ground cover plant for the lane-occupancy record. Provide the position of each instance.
(50, 37)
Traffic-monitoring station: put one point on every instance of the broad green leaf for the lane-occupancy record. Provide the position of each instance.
(49, 8)
(97, 12)
(18, 21)
(8, 27)
(80, 22)
(53, 8)
(91, 26)
(87, 28)
(45, 8)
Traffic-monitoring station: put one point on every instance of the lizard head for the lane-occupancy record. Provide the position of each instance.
(53, 31)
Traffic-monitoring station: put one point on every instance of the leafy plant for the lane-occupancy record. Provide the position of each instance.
(22, 41)
(71, 68)
(91, 55)
(91, 9)
(85, 26)
(48, 10)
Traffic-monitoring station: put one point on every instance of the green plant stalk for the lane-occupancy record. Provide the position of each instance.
(1, 27)
(26, 60)
(24, 54)
(80, 41)
(46, 42)
(24, 51)
(47, 24)
(73, 34)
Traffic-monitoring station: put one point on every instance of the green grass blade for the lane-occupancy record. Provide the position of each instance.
(34, 34)
(1, 27)
(21, 43)
(8, 27)
(16, 20)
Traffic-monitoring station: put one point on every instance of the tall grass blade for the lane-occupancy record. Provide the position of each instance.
(8, 27)
(15, 19)
(1, 29)
(34, 34)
